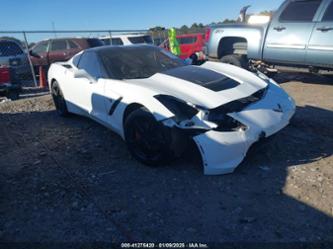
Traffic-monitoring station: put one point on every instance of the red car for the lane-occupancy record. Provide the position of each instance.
(46, 52)
(190, 44)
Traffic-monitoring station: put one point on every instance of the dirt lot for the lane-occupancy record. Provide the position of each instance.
(70, 180)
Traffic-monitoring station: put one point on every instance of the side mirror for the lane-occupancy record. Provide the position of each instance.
(33, 54)
(81, 73)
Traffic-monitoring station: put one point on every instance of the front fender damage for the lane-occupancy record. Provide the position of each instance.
(221, 152)
(224, 145)
(181, 133)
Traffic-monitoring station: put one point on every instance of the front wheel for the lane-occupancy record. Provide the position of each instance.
(59, 100)
(146, 139)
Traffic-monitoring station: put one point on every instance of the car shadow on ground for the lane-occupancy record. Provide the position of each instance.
(303, 78)
(84, 186)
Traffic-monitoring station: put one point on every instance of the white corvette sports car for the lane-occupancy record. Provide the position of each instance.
(156, 103)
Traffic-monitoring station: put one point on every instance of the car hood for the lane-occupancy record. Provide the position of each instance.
(209, 85)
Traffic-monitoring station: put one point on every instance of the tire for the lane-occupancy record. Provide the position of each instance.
(59, 100)
(13, 95)
(147, 140)
(235, 60)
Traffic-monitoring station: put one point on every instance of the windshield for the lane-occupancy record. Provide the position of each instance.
(94, 43)
(187, 40)
(134, 62)
(140, 39)
(8, 48)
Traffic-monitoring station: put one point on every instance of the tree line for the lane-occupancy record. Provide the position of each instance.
(199, 27)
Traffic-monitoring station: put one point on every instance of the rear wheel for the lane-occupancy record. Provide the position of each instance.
(147, 139)
(236, 60)
(59, 100)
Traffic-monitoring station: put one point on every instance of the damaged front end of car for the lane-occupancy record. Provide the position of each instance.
(224, 134)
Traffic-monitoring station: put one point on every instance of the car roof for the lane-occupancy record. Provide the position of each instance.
(13, 41)
(123, 36)
(111, 47)
(68, 38)
(9, 40)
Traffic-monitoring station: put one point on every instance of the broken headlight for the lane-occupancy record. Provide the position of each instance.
(179, 108)
(224, 122)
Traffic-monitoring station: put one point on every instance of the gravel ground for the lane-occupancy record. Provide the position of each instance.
(72, 180)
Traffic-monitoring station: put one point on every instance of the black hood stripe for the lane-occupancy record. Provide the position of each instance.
(203, 77)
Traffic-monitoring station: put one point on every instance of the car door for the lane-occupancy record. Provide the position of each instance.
(113, 104)
(290, 31)
(58, 50)
(40, 49)
(88, 93)
(113, 101)
(72, 49)
(320, 48)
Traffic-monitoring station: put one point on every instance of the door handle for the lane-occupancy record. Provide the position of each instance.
(279, 28)
(325, 29)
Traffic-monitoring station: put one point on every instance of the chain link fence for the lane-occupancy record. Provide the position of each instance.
(24, 53)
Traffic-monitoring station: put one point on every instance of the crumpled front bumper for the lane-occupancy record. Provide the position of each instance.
(222, 152)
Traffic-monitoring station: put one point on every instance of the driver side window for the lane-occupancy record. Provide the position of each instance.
(41, 47)
(90, 64)
(328, 16)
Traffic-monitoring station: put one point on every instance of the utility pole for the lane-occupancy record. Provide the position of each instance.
(53, 28)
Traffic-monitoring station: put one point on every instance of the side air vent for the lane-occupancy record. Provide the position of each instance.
(67, 66)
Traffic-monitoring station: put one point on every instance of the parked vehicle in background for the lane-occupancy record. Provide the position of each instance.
(300, 35)
(158, 41)
(190, 44)
(9, 88)
(53, 50)
(127, 39)
(13, 57)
